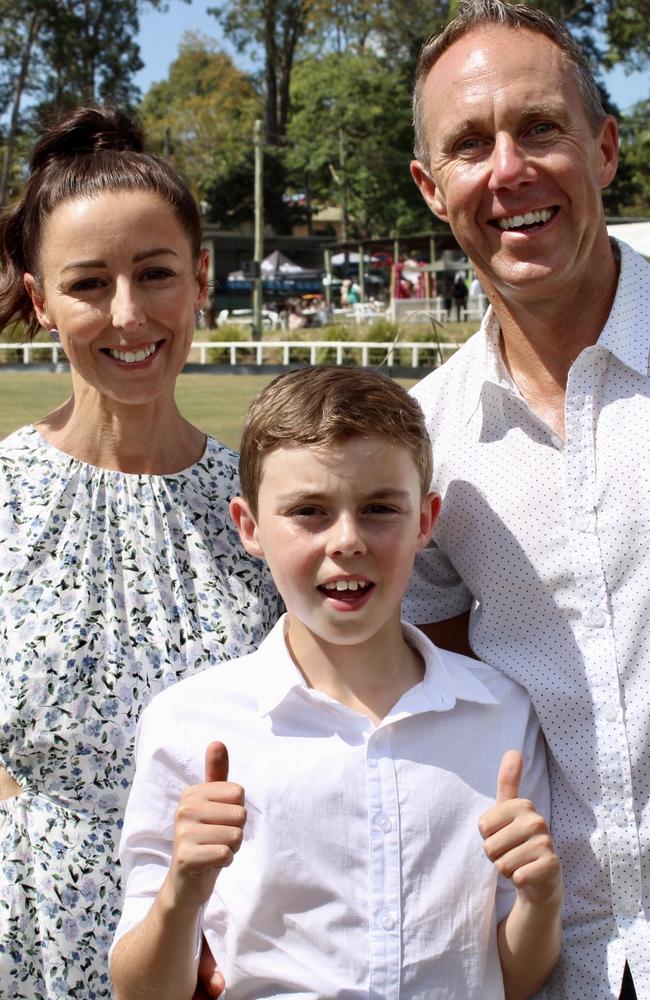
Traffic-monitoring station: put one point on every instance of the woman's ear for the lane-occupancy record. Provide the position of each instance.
(202, 278)
(246, 525)
(38, 301)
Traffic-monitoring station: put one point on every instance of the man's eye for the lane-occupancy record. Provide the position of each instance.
(541, 128)
(469, 144)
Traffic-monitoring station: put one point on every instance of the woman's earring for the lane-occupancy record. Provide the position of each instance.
(55, 335)
(198, 316)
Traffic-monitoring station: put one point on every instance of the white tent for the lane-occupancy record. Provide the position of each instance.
(636, 234)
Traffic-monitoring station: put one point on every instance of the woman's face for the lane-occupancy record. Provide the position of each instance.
(119, 282)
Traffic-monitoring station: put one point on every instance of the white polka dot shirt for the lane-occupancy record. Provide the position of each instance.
(548, 544)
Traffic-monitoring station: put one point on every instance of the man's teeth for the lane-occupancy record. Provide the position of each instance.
(346, 585)
(529, 219)
(131, 356)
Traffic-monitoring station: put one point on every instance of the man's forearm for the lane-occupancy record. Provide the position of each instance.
(452, 634)
(158, 957)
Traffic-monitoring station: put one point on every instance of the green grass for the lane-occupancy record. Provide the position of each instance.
(215, 403)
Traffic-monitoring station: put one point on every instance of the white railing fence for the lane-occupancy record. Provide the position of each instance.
(286, 352)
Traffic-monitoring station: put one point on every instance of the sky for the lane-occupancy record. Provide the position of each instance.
(160, 35)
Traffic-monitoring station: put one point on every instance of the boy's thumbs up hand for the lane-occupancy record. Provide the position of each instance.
(208, 830)
(517, 839)
(509, 777)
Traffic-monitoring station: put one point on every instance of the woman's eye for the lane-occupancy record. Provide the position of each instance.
(156, 274)
(87, 284)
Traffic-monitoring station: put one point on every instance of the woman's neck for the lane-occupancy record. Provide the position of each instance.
(151, 439)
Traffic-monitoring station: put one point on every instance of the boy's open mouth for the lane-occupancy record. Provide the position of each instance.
(346, 590)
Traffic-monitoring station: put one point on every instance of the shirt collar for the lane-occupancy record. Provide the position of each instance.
(626, 333)
(445, 680)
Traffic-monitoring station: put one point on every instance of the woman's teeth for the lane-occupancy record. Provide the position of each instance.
(346, 585)
(131, 356)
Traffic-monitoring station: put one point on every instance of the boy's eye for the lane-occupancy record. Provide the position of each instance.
(381, 508)
(306, 511)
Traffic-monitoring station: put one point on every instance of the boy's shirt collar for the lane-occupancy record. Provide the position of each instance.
(448, 678)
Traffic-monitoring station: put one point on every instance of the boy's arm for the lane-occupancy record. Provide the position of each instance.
(517, 840)
(158, 957)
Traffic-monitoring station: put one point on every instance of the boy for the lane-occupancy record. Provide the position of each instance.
(366, 754)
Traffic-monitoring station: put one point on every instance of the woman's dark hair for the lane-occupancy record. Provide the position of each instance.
(89, 150)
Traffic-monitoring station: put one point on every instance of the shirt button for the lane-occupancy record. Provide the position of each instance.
(385, 824)
(618, 816)
(611, 713)
(595, 618)
(630, 907)
(387, 922)
(582, 522)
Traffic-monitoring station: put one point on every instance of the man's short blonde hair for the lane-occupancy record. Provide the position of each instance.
(478, 13)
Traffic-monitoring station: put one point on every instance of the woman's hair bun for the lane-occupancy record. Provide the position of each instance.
(88, 130)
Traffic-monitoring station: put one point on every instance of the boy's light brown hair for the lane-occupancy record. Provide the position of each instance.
(325, 404)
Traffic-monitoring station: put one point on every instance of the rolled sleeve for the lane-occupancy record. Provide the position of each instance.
(436, 591)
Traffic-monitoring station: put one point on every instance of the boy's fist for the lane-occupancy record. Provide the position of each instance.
(208, 830)
(517, 839)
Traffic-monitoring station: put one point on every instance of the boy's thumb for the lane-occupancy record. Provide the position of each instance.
(216, 762)
(509, 778)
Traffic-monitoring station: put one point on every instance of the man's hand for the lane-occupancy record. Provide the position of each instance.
(208, 831)
(517, 839)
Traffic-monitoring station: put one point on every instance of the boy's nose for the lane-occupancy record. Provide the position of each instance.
(345, 538)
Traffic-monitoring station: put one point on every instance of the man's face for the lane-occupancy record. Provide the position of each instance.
(515, 167)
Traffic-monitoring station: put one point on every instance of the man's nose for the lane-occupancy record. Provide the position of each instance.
(510, 164)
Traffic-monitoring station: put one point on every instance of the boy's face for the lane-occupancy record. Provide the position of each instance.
(339, 528)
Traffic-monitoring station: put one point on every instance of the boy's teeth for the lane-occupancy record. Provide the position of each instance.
(131, 356)
(346, 585)
(529, 219)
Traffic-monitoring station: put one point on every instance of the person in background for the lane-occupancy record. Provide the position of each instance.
(541, 437)
(120, 572)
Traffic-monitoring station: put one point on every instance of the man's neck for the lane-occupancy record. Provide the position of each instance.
(369, 677)
(540, 340)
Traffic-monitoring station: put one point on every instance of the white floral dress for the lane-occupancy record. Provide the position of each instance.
(112, 586)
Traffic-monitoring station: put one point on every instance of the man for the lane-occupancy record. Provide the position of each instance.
(544, 539)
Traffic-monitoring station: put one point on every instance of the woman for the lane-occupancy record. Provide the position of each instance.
(119, 570)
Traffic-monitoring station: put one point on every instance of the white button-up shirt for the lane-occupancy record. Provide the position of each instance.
(362, 872)
(549, 545)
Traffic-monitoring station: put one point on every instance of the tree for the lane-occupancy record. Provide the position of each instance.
(273, 29)
(202, 116)
(63, 52)
(349, 141)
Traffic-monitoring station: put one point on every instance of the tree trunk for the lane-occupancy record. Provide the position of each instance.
(21, 80)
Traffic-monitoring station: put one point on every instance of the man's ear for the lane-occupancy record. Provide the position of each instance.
(429, 190)
(35, 294)
(246, 525)
(429, 513)
(608, 151)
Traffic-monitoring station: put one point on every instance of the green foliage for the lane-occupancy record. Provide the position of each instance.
(344, 106)
(228, 332)
(201, 117)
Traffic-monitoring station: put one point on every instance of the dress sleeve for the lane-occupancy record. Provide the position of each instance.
(436, 591)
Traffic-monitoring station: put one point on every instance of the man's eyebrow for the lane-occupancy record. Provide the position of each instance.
(145, 255)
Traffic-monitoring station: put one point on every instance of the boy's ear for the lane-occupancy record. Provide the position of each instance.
(246, 526)
(429, 514)
(38, 300)
(429, 190)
